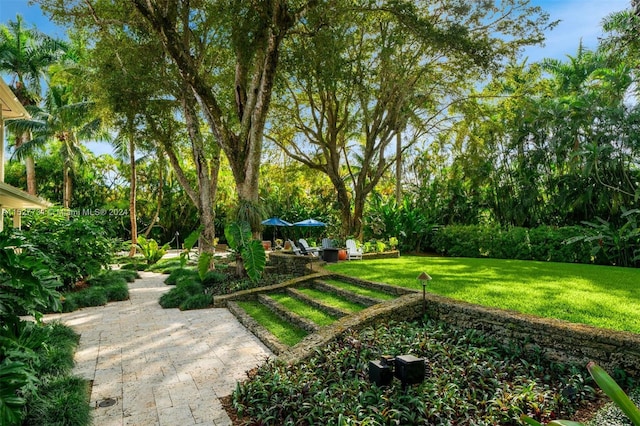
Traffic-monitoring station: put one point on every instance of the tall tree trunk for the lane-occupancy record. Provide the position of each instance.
(156, 214)
(398, 168)
(204, 202)
(29, 164)
(132, 195)
(66, 187)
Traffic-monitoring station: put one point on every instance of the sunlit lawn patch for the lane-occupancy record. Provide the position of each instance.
(299, 307)
(602, 296)
(286, 332)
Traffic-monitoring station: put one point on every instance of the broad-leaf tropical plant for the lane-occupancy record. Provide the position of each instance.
(250, 254)
(151, 250)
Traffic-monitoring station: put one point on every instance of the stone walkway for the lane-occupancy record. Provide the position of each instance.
(161, 366)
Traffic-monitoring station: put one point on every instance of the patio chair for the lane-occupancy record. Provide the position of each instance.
(353, 251)
(327, 243)
(306, 249)
(294, 248)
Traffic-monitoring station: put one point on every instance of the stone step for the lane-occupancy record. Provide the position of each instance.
(287, 315)
(357, 298)
(331, 310)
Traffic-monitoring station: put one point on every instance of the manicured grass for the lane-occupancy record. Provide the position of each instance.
(332, 299)
(362, 291)
(286, 332)
(296, 306)
(603, 296)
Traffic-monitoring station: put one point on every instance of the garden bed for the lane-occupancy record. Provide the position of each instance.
(471, 379)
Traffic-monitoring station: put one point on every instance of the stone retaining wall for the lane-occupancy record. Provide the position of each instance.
(558, 340)
(289, 263)
(391, 254)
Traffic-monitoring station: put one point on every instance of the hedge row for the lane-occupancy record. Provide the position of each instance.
(544, 243)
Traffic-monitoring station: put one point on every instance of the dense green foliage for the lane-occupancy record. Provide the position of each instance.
(249, 253)
(75, 248)
(107, 286)
(543, 243)
(193, 292)
(35, 377)
(544, 289)
(471, 379)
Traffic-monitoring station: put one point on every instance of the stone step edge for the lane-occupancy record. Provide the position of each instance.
(331, 310)
(353, 297)
(264, 335)
(287, 315)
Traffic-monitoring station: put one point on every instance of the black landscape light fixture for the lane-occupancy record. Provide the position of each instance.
(423, 278)
(381, 372)
(409, 369)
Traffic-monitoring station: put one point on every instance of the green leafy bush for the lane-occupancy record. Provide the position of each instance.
(60, 401)
(179, 274)
(76, 248)
(32, 361)
(183, 290)
(543, 243)
(196, 301)
(250, 254)
(151, 250)
(91, 296)
(214, 278)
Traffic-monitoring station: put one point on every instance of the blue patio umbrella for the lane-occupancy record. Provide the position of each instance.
(309, 222)
(275, 221)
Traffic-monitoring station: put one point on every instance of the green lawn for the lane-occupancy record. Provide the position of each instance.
(286, 332)
(299, 307)
(332, 299)
(603, 296)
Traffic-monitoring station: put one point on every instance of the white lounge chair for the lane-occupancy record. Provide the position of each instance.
(353, 251)
(294, 248)
(327, 243)
(306, 249)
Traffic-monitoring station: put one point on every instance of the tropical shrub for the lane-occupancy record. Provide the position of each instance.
(178, 274)
(408, 222)
(76, 248)
(151, 250)
(543, 243)
(616, 244)
(249, 253)
(27, 287)
(178, 295)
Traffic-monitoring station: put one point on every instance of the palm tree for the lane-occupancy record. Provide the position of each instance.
(65, 123)
(26, 54)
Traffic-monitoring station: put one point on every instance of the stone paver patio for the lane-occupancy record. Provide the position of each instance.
(162, 366)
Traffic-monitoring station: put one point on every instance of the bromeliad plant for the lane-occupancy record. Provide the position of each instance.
(611, 388)
(249, 253)
(151, 250)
